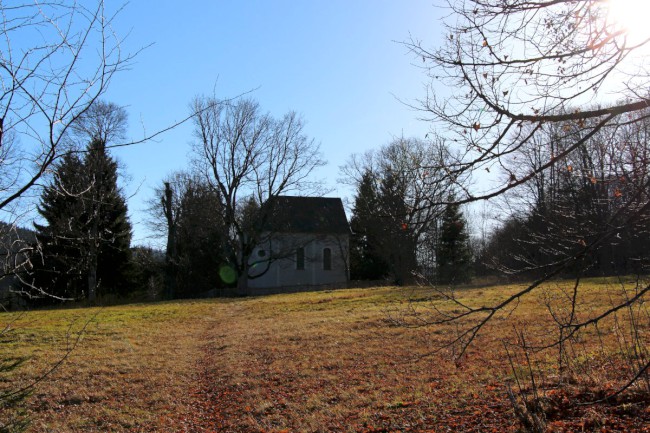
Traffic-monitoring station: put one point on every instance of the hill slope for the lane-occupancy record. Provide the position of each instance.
(325, 361)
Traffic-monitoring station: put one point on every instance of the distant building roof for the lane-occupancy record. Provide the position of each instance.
(290, 214)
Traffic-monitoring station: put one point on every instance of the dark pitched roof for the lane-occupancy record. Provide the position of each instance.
(290, 214)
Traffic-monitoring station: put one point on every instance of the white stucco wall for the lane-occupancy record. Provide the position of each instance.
(283, 272)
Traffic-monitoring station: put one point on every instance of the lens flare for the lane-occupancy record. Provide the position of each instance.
(228, 274)
(630, 16)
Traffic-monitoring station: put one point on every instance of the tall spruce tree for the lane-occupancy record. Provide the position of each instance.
(453, 255)
(106, 224)
(59, 268)
(366, 262)
(86, 239)
(397, 239)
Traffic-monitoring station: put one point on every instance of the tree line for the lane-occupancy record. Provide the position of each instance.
(405, 226)
(406, 223)
(595, 197)
(212, 215)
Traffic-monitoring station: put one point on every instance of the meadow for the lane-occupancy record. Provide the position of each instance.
(319, 361)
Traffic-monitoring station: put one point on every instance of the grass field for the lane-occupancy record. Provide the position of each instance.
(321, 361)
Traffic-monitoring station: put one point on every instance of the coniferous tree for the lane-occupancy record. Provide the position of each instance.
(453, 254)
(86, 239)
(402, 189)
(106, 224)
(201, 237)
(366, 262)
(397, 239)
(59, 266)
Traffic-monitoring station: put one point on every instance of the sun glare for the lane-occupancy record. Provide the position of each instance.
(632, 16)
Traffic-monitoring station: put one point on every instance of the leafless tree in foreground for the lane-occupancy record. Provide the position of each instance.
(517, 68)
(56, 59)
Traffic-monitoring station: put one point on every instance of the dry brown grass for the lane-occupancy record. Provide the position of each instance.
(130, 371)
(324, 361)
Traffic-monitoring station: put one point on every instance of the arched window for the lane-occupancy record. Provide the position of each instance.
(327, 259)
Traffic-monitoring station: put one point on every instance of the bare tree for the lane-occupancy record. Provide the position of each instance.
(102, 121)
(56, 59)
(46, 86)
(243, 153)
(525, 63)
(165, 209)
(521, 69)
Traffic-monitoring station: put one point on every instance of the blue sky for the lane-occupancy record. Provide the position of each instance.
(338, 63)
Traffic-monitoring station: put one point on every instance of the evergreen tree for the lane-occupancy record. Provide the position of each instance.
(86, 238)
(398, 207)
(366, 262)
(59, 267)
(397, 240)
(106, 224)
(200, 239)
(453, 254)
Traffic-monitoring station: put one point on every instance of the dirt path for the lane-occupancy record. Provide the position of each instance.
(210, 395)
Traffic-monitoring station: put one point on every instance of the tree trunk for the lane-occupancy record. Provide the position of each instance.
(242, 283)
(170, 254)
(242, 277)
(92, 266)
